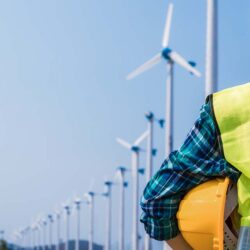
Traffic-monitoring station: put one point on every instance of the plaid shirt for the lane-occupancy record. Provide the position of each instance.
(197, 161)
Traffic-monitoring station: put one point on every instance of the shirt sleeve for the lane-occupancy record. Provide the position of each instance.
(195, 162)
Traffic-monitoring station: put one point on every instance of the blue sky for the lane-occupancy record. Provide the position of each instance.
(64, 97)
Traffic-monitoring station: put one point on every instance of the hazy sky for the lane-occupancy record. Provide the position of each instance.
(64, 97)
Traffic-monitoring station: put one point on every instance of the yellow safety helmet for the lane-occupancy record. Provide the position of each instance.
(208, 216)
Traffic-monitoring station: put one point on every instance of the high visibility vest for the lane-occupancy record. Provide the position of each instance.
(231, 111)
(203, 210)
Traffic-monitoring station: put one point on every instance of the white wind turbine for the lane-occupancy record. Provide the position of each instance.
(44, 225)
(35, 228)
(150, 153)
(38, 229)
(135, 149)
(108, 184)
(121, 171)
(51, 221)
(58, 228)
(90, 201)
(171, 57)
(18, 238)
(78, 202)
(66, 207)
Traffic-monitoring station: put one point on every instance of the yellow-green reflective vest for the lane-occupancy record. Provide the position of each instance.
(231, 110)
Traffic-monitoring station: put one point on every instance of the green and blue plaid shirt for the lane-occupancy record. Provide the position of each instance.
(197, 161)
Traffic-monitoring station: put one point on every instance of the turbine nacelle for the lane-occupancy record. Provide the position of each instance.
(149, 115)
(135, 149)
(77, 203)
(192, 63)
(50, 217)
(141, 171)
(122, 169)
(67, 209)
(108, 183)
(91, 193)
(166, 53)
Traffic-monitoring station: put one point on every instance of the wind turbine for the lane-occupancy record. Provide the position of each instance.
(90, 200)
(29, 243)
(26, 237)
(67, 211)
(211, 48)
(35, 229)
(38, 229)
(78, 202)
(51, 220)
(58, 220)
(135, 149)
(22, 234)
(121, 170)
(15, 238)
(150, 153)
(171, 57)
(18, 238)
(108, 184)
(44, 225)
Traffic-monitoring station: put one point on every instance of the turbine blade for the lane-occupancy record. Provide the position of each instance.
(166, 35)
(141, 138)
(124, 143)
(184, 63)
(146, 66)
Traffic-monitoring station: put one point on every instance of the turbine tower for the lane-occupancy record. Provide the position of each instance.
(171, 57)
(38, 227)
(90, 200)
(67, 210)
(58, 220)
(107, 194)
(50, 218)
(44, 225)
(123, 184)
(211, 48)
(149, 162)
(78, 222)
(135, 149)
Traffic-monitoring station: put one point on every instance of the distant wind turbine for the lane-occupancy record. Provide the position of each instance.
(121, 170)
(66, 207)
(171, 57)
(90, 200)
(44, 226)
(38, 229)
(51, 220)
(58, 228)
(149, 162)
(78, 202)
(34, 228)
(135, 149)
(108, 184)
